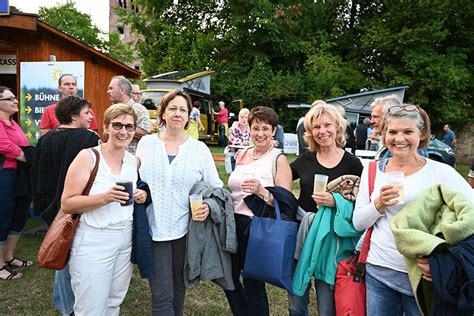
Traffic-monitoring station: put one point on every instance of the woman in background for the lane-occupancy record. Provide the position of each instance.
(239, 135)
(195, 124)
(13, 212)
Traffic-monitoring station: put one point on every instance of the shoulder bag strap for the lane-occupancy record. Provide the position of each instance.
(275, 166)
(93, 173)
(366, 243)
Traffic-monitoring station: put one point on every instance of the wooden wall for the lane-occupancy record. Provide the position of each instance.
(39, 44)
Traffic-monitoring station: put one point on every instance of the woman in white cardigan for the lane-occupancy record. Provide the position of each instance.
(171, 163)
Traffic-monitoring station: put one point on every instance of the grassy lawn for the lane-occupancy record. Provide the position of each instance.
(32, 294)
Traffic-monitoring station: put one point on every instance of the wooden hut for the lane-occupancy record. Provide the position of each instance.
(23, 38)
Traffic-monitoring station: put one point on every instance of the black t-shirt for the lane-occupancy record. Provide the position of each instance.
(306, 166)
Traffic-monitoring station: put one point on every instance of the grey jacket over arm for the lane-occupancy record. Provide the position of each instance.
(210, 243)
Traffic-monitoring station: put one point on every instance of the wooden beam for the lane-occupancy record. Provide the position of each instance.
(19, 21)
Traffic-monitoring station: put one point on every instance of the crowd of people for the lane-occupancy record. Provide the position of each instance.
(138, 209)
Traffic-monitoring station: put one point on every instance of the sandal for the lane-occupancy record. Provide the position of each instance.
(13, 274)
(24, 263)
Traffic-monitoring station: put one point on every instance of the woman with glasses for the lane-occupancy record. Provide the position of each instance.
(171, 163)
(13, 212)
(256, 168)
(406, 128)
(100, 263)
(55, 151)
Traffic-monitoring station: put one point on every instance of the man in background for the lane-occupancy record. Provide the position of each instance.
(120, 91)
(136, 93)
(449, 136)
(67, 85)
(361, 133)
(222, 121)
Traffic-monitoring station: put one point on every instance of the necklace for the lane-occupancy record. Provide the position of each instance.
(260, 156)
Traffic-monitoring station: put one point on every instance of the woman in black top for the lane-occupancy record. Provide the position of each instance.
(325, 135)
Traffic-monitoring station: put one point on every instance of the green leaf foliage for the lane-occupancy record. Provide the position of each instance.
(269, 52)
(67, 19)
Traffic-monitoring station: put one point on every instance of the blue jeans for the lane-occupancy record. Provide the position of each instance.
(63, 297)
(298, 305)
(7, 201)
(383, 300)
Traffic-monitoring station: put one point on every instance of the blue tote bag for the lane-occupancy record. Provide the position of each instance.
(270, 250)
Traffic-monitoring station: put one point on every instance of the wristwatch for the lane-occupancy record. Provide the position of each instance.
(267, 197)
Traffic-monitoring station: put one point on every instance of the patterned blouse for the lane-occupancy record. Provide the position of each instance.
(237, 136)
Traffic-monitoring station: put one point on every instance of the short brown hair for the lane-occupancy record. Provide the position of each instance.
(264, 114)
(335, 115)
(117, 110)
(167, 98)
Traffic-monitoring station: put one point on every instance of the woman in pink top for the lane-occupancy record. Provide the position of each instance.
(254, 171)
(12, 214)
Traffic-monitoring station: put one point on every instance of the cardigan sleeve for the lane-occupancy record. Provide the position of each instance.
(209, 170)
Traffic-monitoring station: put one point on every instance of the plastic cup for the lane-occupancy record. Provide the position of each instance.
(247, 174)
(128, 185)
(320, 182)
(195, 200)
(397, 179)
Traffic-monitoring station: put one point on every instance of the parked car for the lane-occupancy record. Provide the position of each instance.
(437, 150)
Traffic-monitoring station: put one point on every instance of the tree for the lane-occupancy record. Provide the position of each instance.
(272, 51)
(69, 20)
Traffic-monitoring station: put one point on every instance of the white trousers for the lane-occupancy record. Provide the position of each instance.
(100, 268)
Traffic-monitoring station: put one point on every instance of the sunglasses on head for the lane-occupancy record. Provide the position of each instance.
(118, 126)
(407, 108)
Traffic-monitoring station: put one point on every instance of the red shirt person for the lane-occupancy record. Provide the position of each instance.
(67, 85)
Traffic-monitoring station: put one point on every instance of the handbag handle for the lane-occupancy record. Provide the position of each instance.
(90, 182)
(277, 209)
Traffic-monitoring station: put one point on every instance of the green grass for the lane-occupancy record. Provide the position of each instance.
(32, 294)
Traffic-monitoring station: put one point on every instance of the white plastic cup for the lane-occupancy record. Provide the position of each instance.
(195, 200)
(247, 174)
(320, 182)
(397, 179)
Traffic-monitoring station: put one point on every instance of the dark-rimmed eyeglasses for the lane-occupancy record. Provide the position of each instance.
(118, 126)
(12, 99)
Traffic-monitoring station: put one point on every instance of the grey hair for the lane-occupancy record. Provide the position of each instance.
(124, 84)
(420, 118)
(401, 113)
(387, 102)
(222, 103)
(367, 121)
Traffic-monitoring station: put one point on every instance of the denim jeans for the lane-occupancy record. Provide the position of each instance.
(63, 298)
(251, 297)
(7, 201)
(298, 305)
(383, 300)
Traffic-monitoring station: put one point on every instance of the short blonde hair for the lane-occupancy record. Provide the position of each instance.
(117, 110)
(316, 112)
